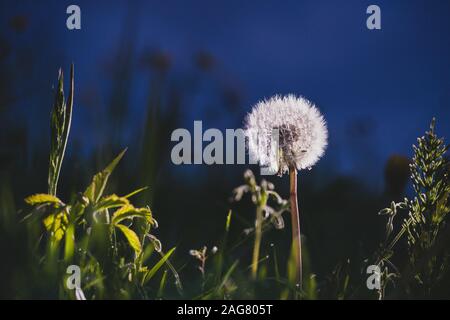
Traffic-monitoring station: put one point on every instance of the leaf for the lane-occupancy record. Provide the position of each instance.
(69, 245)
(157, 266)
(129, 212)
(56, 224)
(228, 275)
(162, 285)
(112, 201)
(98, 184)
(135, 192)
(43, 198)
(311, 287)
(228, 223)
(131, 236)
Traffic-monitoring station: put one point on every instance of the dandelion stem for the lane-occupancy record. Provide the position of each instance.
(296, 239)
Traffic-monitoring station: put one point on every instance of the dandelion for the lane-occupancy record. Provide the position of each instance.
(301, 128)
(302, 139)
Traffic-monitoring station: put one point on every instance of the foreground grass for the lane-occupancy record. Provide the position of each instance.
(115, 245)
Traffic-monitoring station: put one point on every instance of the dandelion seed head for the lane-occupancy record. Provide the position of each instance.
(302, 133)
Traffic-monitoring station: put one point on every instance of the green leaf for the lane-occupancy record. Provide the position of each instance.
(43, 198)
(98, 184)
(129, 212)
(228, 223)
(69, 245)
(157, 266)
(112, 201)
(311, 287)
(162, 285)
(227, 276)
(135, 192)
(131, 236)
(56, 224)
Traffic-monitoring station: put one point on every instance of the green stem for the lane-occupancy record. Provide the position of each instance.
(61, 122)
(258, 236)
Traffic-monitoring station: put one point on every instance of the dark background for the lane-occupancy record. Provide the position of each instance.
(144, 68)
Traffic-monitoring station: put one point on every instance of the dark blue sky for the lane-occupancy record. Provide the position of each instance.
(377, 89)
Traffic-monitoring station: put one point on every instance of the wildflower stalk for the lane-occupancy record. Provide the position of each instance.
(295, 218)
(426, 218)
(60, 128)
(258, 236)
(261, 193)
(261, 204)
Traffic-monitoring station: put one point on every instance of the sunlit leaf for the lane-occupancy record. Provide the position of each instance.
(56, 224)
(131, 236)
(112, 201)
(157, 266)
(98, 184)
(135, 192)
(228, 223)
(129, 212)
(43, 198)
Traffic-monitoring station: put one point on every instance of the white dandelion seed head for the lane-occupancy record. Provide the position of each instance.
(301, 129)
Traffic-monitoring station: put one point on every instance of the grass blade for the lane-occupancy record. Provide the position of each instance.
(157, 266)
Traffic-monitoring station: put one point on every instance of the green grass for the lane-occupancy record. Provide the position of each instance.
(114, 242)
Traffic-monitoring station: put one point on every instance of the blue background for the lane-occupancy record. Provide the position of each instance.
(377, 89)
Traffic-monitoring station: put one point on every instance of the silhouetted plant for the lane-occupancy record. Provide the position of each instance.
(424, 226)
(60, 127)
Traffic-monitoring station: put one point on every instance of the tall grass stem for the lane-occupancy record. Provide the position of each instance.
(258, 236)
